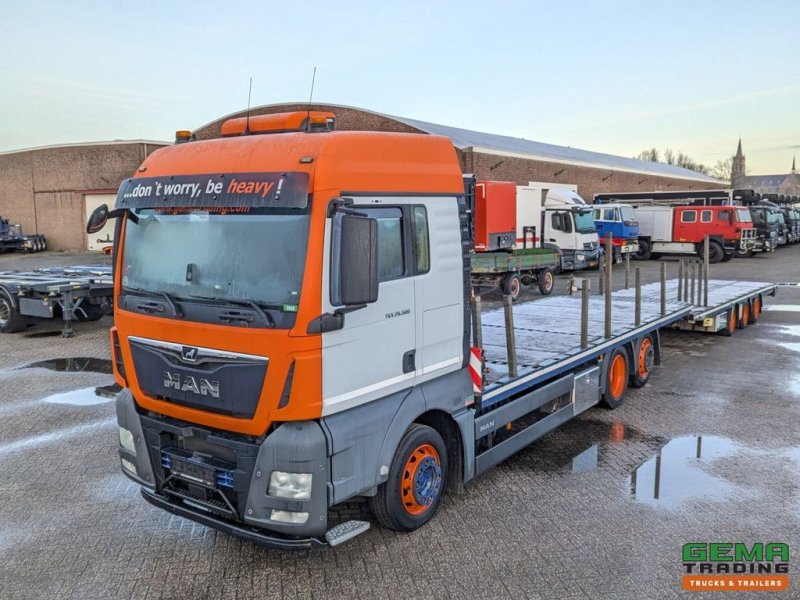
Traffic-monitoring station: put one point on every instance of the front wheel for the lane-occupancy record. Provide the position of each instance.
(643, 253)
(417, 478)
(715, 252)
(511, 286)
(546, 282)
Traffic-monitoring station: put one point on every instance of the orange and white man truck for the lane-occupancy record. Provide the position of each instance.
(293, 329)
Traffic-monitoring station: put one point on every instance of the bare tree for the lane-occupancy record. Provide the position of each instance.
(651, 155)
(671, 158)
(722, 169)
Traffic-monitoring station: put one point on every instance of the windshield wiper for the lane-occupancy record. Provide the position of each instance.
(243, 302)
(156, 294)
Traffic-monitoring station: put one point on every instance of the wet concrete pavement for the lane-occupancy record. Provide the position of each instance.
(709, 451)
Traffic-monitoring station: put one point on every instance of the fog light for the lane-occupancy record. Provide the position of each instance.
(126, 440)
(296, 486)
(129, 466)
(287, 516)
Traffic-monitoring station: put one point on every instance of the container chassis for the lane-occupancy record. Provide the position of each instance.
(80, 293)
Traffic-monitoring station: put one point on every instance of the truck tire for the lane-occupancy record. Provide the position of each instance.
(644, 362)
(44, 243)
(643, 253)
(755, 310)
(10, 319)
(89, 312)
(715, 252)
(730, 327)
(546, 282)
(511, 286)
(744, 320)
(617, 375)
(417, 478)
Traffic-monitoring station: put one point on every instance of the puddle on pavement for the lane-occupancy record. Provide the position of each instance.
(677, 473)
(579, 446)
(790, 346)
(783, 307)
(82, 397)
(81, 363)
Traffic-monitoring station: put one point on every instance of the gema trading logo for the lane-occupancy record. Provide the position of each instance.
(735, 567)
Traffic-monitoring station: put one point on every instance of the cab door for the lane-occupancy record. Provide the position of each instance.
(374, 354)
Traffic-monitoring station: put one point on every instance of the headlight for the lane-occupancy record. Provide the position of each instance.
(580, 257)
(288, 516)
(126, 440)
(129, 466)
(296, 486)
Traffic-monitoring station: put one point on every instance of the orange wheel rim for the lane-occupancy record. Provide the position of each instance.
(745, 315)
(514, 286)
(645, 362)
(756, 308)
(421, 481)
(619, 373)
(732, 320)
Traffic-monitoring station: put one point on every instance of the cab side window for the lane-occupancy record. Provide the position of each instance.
(422, 245)
(561, 222)
(391, 257)
(689, 216)
(706, 216)
(609, 214)
(725, 217)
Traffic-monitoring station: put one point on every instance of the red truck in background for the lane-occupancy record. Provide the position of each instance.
(682, 229)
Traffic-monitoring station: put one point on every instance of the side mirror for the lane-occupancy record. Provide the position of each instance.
(355, 260)
(97, 219)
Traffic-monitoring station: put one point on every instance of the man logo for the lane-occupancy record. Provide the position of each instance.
(189, 353)
(195, 385)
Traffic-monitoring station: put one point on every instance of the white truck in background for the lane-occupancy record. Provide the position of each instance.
(563, 221)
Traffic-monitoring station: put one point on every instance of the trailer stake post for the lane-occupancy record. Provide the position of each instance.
(609, 255)
(692, 278)
(584, 313)
(571, 283)
(663, 289)
(511, 344)
(638, 301)
(602, 273)
(680, 279)
(627, 269)
(477, 331)
(705, 273)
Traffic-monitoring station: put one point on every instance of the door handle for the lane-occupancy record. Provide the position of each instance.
(409, 361)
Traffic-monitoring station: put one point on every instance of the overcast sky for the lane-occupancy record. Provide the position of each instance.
(614, 77)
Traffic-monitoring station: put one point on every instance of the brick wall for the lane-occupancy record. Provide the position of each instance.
(43, 189)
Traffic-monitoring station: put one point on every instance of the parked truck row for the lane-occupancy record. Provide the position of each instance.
(295, 326)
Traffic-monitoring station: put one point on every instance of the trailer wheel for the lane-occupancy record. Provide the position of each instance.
(617, 374)
(417, 477)
(44, 243)
(744, 321)
(731, 325)
(546, 282)
(511, 286)
(10, 319)
(756, 310)
(643, 253)
(89, 312)
(645, 360)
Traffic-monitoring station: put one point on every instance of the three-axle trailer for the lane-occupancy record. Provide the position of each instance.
(81, 293)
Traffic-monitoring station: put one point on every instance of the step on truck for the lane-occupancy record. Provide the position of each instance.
(294, 328)
(507, 253)
(620, 221)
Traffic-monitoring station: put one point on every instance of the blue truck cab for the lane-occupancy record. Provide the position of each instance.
(620, 220)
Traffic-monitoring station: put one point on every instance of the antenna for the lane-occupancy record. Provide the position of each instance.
(247, 119)
(310, 96)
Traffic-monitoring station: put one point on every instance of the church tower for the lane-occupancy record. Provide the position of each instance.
(737, 168)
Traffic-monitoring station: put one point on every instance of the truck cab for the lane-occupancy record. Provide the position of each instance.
(564, 221)
(765, 219)
(620, 221)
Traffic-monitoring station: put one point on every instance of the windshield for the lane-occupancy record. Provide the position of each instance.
(584, 222)
(255, 254)
(773, 217)
(627, 213)
(743, 215)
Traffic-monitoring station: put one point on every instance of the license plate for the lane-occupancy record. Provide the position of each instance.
(193, 471)
(592, 263)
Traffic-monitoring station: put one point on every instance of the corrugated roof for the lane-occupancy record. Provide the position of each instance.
(83, 144)
(502, 144)
(764, 180)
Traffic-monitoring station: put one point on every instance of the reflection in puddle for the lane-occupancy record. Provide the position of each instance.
(790, 330)
(791, 346)
(80, 363)
(82, 397)
(676, 474)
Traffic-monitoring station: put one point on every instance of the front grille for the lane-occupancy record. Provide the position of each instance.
(590, 245)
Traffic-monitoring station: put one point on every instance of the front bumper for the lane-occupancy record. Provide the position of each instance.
(241, 503)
